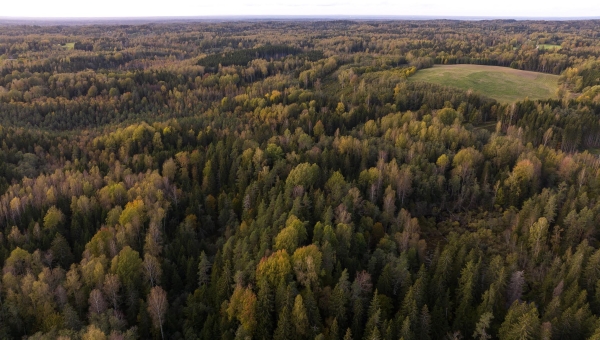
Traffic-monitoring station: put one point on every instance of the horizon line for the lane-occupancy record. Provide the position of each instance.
(291, 17)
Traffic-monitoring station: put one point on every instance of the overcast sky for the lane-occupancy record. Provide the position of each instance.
(437, 8)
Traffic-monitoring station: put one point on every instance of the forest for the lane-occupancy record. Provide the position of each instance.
(277, 180)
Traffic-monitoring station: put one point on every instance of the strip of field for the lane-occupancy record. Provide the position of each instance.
(504, 84)
(549, 47)
(68, 46)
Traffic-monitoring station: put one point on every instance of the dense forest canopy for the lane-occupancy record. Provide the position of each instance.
(283, 180)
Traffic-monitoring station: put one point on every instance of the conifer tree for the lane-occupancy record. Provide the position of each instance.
(424, 330)
(334, 332)
(348, 335)
(521, 322)
(203, 269)
(265, 308)
(299, 317)
(339, 300)
(285, 328)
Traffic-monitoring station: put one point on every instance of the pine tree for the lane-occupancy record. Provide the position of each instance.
(312, 311)
(467, 284)
(374, 334)
(372, 324)
(390, 332)
(440, 314)
(492, 299)
(481, 328)
(62, 251)
(339, 299)
(405, 332)
(300, 318)
(224, 283)
(522, 322)
(359, 314)
(384, 284)
(409, 308)
(203, 269)
(424, 330)
(285, 328)
(334, 332)
(592, 271)
(265, 307)
(375, 304)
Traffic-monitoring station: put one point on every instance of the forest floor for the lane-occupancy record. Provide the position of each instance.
(504, 84)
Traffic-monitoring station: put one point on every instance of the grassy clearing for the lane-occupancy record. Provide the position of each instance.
(68, 46)
(504, 84)
(490, 126)
(549, 47)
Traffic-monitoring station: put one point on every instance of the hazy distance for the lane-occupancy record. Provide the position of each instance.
(244, 9)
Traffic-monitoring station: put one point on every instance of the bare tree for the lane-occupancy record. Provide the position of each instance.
(547, 136)
(152, 269)
(404, 184)
(515, 287)
(97, 302)
(111, 289)
(157, 307)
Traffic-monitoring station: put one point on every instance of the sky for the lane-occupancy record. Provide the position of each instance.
(202, 8)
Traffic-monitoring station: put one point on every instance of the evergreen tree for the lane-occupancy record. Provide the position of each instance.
(334, 332)
(203, 268)
(521, 322)
(424, 330)
(340, 299)
(312, 310)
(481, 328)
(299, 317)
(265, 307)
(285, 328)
(467, 285)
(348, 335)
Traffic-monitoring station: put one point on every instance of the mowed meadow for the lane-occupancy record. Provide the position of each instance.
(504, 84)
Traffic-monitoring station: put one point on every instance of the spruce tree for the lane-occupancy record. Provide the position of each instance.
(265, 307)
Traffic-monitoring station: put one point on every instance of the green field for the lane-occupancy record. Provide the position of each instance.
(504, 84)
(549, 47)
(68, 46)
